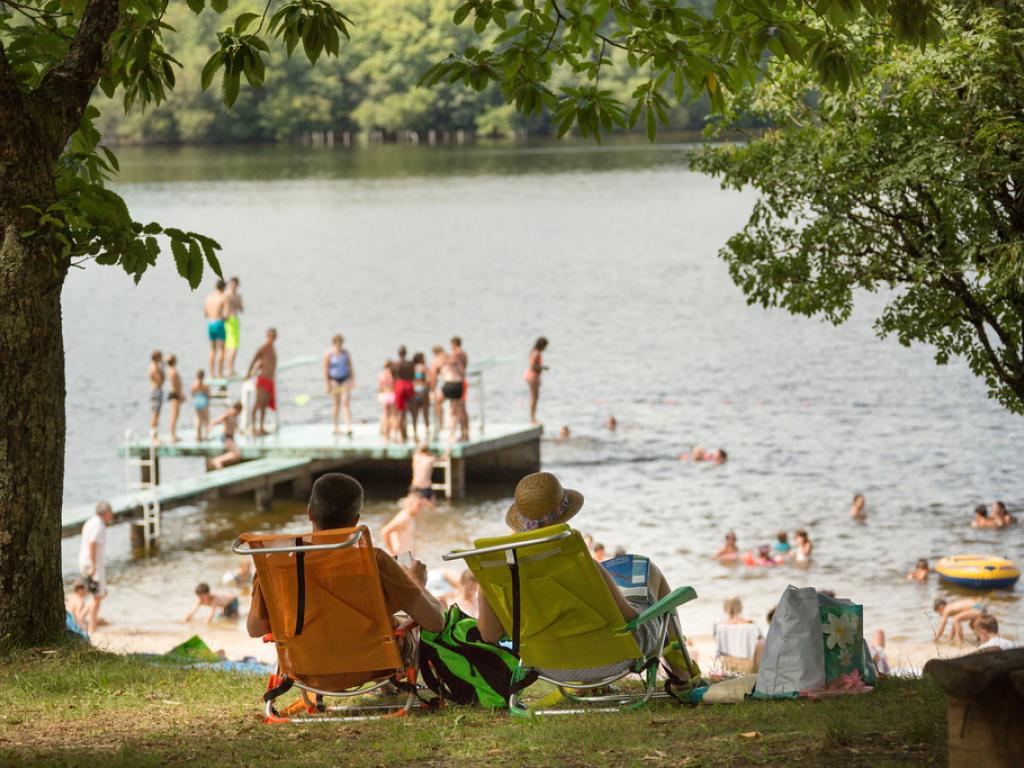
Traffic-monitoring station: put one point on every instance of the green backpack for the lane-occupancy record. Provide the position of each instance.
(461, 668)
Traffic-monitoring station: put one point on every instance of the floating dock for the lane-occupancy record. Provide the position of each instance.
(296, 454)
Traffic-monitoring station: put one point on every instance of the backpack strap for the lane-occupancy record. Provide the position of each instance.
(512, 558)
(300, 575)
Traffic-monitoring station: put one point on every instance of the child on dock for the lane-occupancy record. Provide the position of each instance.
(175, 396)
(386, 398)
(232, 454)
(399, 533)
(340, 379)
(156, 392)
(201, 400)
(215, 601)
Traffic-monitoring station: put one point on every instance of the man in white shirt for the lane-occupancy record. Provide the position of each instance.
(986, 627)
(92, 560)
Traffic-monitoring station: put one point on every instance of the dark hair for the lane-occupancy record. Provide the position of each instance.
(157, 354)
(980, 510)
(803, 534)
(221, 285)
(200, 374)
(1001, 506)
(172, 360)
(939, 603)
(541, 343)
(723, 454)
(236, 281)
(202, 588)
(922, 563)
(237, 405)
(771, 615)
(782, 536)
(457, 341)
(402, 351)
(418, 358)
(335, 501)
(988, 622)
(78, 584)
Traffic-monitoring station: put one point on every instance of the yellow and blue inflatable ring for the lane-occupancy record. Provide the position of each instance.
(978, 571)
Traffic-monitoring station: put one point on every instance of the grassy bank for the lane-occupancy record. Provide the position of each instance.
(78, 707)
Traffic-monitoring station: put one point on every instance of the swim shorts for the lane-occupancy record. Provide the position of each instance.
(231, 609)
(426, 493)
(231, 330)
(156, 400)
(452, 390)
(215, 330)
(403, 393)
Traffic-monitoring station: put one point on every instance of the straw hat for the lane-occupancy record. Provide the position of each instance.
(541, 501)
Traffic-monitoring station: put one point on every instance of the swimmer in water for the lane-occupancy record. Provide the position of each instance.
(563, 434)
(729, 551)
(612, 424)
(857, 510)
(1000, 517)
(920, 572)
(699, 453)
(981, 518)
(802, 551)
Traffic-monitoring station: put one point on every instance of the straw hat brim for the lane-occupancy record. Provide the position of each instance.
(518, 522)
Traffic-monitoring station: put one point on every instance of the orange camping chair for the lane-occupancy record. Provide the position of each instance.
(330, 623)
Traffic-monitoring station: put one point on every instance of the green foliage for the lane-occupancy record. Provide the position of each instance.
(910, 183)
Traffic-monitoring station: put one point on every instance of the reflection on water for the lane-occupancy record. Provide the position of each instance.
(610, 253)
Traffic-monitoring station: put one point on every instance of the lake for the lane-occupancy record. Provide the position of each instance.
(610, 252)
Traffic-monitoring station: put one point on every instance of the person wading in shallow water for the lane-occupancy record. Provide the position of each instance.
(532, 376)
(264, 365)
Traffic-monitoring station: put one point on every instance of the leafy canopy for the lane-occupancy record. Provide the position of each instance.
(911, 183)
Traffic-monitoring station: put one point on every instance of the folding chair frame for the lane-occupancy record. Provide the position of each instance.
(525, 676)
(280, 684)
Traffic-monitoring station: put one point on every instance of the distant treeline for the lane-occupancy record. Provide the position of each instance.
(370, 89)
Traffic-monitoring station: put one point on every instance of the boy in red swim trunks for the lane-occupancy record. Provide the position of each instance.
(404, 371)
(264, 365)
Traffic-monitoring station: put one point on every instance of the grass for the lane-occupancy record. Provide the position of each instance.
(77, 706)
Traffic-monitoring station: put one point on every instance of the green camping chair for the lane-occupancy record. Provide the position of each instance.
(564, 624)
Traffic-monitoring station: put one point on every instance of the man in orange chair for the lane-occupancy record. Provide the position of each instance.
(335, 502)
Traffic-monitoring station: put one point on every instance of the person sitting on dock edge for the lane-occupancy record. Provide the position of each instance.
(232, 454)
(263, 365)
(335, 502)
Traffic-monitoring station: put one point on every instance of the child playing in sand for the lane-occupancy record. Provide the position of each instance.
(423, 472)
(76, 603)
(399, 533)
(226, 604)
(920, 572)
(232, 454)
(201, 400)
(730, 551)
(956, 613)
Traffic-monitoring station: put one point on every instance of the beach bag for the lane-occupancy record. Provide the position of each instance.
(458, 666)
(814, 640)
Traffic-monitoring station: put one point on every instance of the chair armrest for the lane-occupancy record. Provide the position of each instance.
(667, 604)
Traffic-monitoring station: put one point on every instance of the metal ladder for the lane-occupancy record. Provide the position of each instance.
(445, 465)
(150, 521)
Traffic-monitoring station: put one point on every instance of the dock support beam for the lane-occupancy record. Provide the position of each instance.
(264, 497)
(146, 477)
(458, 478)
(301, 487)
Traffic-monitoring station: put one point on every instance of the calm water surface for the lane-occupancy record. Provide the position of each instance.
(609, 252)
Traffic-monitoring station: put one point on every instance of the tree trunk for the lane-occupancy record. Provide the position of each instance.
(31, 391)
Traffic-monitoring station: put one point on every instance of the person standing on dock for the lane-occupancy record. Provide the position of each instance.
(458, 354)
(403, 370)
(434, 382)
(201, 401)
(233, 308)
(453, 387)
(156, 391)
(340, 379)
(532, 376)
(264, 365)
(92, 561)
(176, 395)
(215, 310)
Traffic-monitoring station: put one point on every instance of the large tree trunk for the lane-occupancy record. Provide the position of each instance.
(31, 389)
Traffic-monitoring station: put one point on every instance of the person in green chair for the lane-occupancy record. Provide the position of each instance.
(541, 501)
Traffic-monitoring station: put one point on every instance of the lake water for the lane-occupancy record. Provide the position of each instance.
(610, 253)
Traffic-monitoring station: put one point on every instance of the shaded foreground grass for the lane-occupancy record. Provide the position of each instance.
(75, 706)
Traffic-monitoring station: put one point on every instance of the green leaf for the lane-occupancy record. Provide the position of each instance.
(211, 69)
(196, 6)
(219, 5)
(180, 253)
(243, 21)
(195, 265)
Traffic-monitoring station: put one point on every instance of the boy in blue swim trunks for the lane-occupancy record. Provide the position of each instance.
(226, 604)
(215, 308)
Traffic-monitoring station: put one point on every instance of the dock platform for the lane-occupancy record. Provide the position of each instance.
(296, 453)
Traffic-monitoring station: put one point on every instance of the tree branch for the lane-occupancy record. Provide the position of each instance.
(67, 88)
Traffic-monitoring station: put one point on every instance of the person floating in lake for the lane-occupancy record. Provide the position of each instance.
(233, 307)
(264, 366)
(981, 518)
(201, 402)
(399, 534)
(1000, 517)
(215, 309)
(764, 557)
(403, 370)
(175, 395)
(729, 550)
(419, 406)
(699, 453)
(423, 472)
(920, 572)
(857, 509)
(534, 368)
(215, 601)
(780, 549)
(156, 392)
(339, 377)
(802, 551)
(232, 453)
(386, 398)
(564, 433)
(612, 424)
(956, 613)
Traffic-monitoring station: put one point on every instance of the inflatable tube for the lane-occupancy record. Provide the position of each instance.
(978, 571)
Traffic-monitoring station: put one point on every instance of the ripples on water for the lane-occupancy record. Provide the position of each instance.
(610, 253)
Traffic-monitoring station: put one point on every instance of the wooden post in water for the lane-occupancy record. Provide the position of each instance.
(150, 478)
(264, 497)
(457, 472)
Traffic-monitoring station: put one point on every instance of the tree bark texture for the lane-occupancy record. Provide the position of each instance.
(34, 128)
